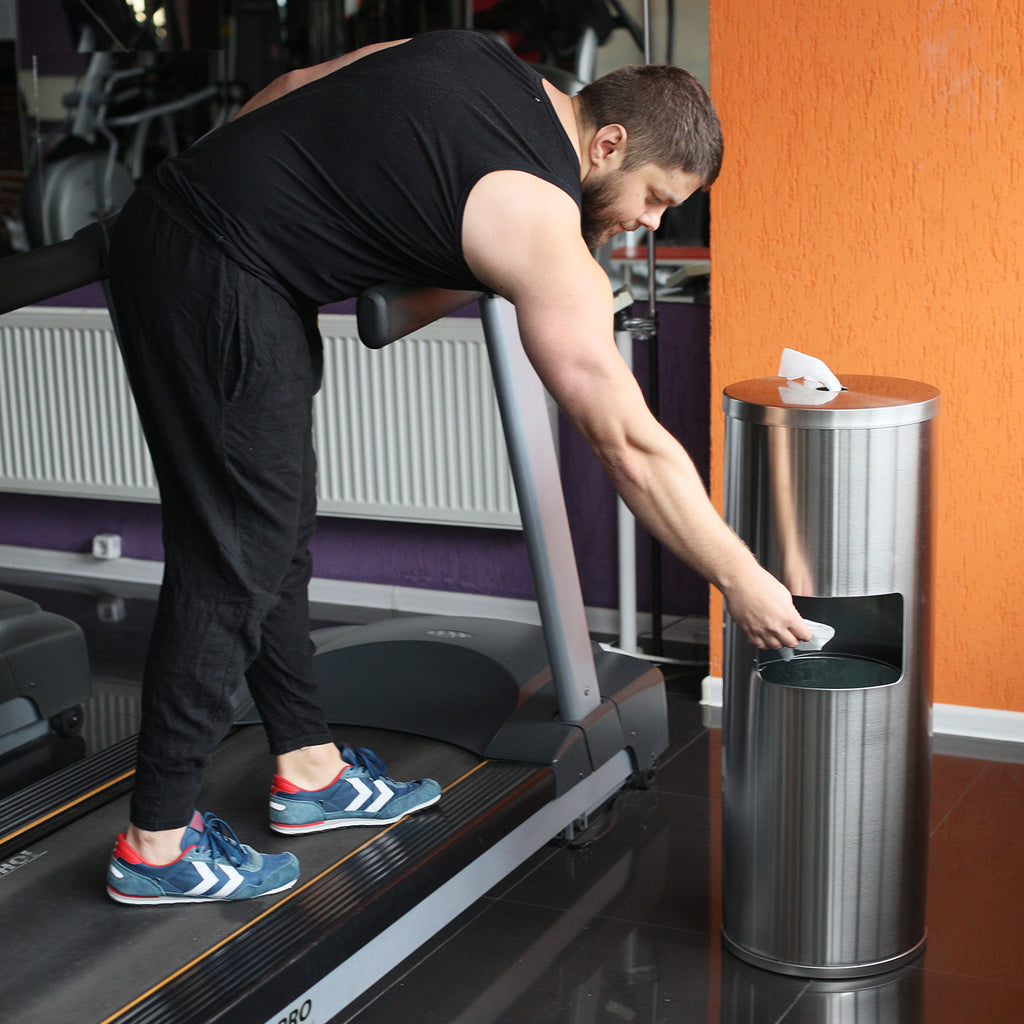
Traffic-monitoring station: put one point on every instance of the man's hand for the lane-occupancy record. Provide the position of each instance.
(763, 608)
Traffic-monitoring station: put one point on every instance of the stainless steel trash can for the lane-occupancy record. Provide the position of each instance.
(827, 757)
(750, 996)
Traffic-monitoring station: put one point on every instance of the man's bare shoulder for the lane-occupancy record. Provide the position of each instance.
(517, 226)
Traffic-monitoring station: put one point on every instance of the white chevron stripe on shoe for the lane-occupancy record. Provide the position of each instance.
(213, 865)
(363, 793)
(210, 878)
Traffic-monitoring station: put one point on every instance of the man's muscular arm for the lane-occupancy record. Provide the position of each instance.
(521, 237)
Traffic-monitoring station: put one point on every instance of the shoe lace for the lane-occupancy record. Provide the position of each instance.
(367, 760)
(219, 840)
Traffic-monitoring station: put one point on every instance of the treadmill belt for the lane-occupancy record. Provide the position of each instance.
(69, 953)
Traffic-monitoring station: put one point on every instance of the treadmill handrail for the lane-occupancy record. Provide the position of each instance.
(388, 312)
(384, 313)
(28, 277)
(533, 457)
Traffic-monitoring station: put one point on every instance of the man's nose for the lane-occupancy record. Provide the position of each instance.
(650, 219)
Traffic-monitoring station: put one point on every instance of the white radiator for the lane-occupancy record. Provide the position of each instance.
(410, 433)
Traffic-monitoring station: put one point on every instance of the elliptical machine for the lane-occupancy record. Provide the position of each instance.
(130, 111)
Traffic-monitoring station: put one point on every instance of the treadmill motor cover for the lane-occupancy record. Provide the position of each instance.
(43, 660)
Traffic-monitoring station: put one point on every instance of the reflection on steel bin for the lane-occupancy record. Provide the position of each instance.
(827, 755)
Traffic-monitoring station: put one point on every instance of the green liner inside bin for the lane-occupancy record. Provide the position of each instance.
(829, 672)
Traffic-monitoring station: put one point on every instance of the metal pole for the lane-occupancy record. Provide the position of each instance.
(534, 464)
(653, 374)
(626, 524)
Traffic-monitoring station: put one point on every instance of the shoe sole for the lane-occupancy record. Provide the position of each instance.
(149, 901)
(333, 823)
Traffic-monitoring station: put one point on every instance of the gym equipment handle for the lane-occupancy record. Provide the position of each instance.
(28, 277)
(388, 312)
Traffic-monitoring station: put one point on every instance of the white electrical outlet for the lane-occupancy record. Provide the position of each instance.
(106, 546)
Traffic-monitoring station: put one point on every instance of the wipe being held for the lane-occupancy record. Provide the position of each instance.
(821, 633)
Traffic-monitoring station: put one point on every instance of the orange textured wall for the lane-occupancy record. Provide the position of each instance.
(871, 212)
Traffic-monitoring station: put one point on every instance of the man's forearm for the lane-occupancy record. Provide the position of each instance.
(666, 494)
(664, 490)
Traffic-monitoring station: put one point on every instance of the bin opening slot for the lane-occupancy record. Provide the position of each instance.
(819, 671)
(867, 649)
(866, 627)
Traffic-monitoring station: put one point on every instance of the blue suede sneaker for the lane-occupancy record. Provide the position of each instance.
(362, 794)
(213, 865)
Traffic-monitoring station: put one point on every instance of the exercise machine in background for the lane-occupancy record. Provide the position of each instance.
(136, 103)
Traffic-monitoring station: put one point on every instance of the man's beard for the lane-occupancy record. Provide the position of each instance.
(596, 220)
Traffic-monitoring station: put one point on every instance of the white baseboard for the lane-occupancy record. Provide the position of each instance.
(711, 691)
(947, 719)
(978, 723)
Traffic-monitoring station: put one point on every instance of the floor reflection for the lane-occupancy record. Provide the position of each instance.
(751, 995)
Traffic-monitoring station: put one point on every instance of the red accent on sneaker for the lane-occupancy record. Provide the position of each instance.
(282, 785)
(124, 852)
(129, 854)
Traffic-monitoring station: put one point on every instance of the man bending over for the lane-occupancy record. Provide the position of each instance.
(442, 160)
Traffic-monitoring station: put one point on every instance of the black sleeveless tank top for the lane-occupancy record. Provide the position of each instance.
(362, 176)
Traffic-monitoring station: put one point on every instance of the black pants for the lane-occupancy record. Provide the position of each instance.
(223, 369)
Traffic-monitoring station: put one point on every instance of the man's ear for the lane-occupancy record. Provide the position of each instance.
(608, 146)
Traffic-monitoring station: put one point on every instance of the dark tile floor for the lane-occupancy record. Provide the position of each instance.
(626, 929)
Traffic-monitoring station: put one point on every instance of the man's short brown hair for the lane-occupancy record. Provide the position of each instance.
(668, 116)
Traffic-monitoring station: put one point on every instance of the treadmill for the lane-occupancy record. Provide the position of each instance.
(529, 729)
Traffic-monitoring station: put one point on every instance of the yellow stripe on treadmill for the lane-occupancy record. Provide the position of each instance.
(73, 803)
(289, 896)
